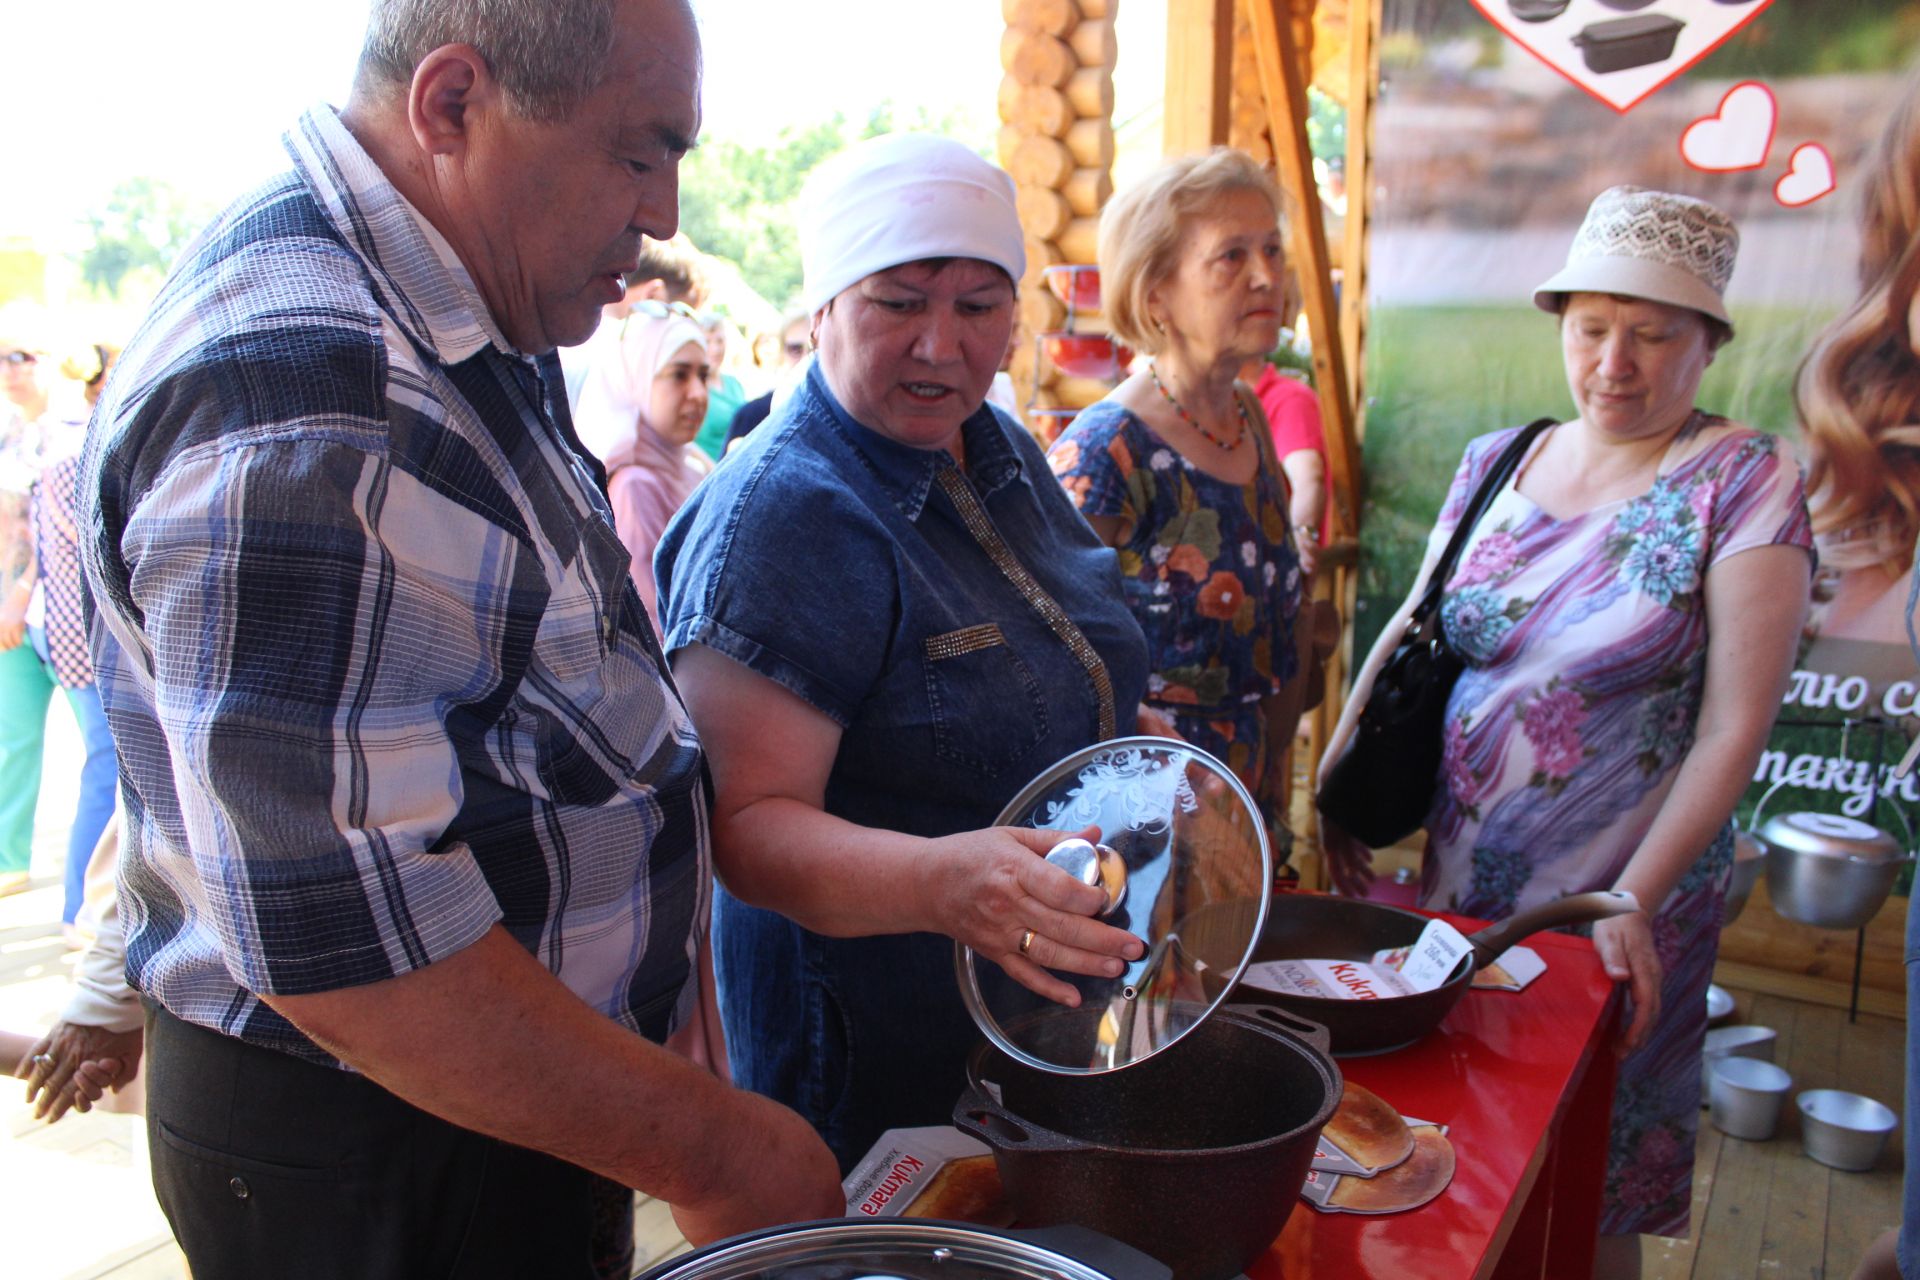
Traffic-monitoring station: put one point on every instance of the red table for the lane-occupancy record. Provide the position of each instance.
(1524, 1082)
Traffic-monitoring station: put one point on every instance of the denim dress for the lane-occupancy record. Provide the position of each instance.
(874, 581)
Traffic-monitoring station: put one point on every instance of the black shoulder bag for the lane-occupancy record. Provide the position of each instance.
(1381, 787)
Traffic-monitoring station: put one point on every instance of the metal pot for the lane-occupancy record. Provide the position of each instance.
(1844, 1130)
(1733, 1042)
(1828, 871)
(1195, 1155)
(913, 1249)
(1746, 1094)
(1749, 860)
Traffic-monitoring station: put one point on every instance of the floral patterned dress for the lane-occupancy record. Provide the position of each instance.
(1586, 647)
(1210, 572)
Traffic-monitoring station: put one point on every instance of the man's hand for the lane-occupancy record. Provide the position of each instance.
(13, 621)
(772, 1170)
(479, 1037)
(74, 1066)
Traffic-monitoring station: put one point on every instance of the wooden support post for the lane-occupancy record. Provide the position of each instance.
(1283, 81)
(1363, 89)
(1199, 75)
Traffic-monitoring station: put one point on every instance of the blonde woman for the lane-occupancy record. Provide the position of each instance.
(1859, 400)
(1176, 471)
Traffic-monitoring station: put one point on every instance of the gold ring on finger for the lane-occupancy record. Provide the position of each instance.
(1026, 942)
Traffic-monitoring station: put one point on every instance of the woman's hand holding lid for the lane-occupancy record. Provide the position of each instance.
(991, 887)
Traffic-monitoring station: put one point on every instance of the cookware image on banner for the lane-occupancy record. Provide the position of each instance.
(1620, 51)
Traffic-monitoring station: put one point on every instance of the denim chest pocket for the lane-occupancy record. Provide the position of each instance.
(986, 705)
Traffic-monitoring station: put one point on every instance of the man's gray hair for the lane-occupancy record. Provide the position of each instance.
(548, 55)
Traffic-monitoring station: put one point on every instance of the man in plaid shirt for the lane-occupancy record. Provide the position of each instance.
(408, 788)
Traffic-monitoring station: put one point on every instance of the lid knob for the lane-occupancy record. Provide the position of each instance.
(1093, 864)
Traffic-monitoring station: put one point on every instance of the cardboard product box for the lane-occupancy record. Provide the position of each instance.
(932, 1172)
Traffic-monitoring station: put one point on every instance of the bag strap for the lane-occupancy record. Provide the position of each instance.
(1490, 485)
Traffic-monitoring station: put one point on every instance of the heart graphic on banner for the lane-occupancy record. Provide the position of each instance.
(1620, 58)
(1809, 176)
(1737, 135)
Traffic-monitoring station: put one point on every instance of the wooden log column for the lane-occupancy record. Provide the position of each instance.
(1056, 140)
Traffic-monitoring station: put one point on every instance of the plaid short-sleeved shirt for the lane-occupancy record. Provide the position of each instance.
(365, 634)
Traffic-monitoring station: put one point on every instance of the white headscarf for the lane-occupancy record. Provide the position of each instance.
(625, 357)
(901, 198)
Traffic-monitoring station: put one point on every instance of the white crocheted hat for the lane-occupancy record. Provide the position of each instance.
(1649, 244)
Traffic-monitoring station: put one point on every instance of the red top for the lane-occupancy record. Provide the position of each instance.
(1293, 414)
(1509, 1074)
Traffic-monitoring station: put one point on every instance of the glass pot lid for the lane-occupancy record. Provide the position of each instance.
(1183, 853)
(886, 1249)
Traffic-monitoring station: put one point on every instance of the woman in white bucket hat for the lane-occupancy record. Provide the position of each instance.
(1627, 608)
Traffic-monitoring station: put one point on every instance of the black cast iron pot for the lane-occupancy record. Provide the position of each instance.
(1194, 1155)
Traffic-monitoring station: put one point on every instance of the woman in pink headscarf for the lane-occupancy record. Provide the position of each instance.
(651, 473)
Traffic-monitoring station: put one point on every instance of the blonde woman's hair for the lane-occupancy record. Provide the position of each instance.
(1143, 228)
(1858, 390)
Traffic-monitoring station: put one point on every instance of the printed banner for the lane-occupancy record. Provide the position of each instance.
(1498, 122)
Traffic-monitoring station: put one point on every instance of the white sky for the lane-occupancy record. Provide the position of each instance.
(198, 91)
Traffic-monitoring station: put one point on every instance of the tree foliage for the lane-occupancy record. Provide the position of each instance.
(146, 222)
(737, 201)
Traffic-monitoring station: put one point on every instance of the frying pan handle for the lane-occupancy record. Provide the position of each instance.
(1291, 1023)
(1575, 908)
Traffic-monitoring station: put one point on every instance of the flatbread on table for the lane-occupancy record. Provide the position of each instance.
(1369, 1130)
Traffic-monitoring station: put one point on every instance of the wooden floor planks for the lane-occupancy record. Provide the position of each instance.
(1764, 1209)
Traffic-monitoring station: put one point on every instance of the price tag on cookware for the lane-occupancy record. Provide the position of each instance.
(1432, 959)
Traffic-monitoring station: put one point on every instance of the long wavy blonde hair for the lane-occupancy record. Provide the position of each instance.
(1858, 389)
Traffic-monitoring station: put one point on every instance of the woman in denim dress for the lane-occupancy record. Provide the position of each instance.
(886, 617)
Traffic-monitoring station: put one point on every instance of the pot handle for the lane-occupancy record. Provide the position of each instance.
(1575, 908)
(983, 1118)
(1102, 1253)
(1291, 1023)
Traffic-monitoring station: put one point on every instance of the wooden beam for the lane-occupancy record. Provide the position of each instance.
(1199, 75)
(1283, 82)
(1363, 89)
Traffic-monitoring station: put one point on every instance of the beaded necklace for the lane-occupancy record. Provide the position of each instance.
(1225, 446)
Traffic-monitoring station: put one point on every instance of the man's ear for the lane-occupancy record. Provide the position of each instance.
(449, 82)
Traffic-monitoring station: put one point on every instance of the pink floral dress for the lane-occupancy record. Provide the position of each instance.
(1586, 646)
